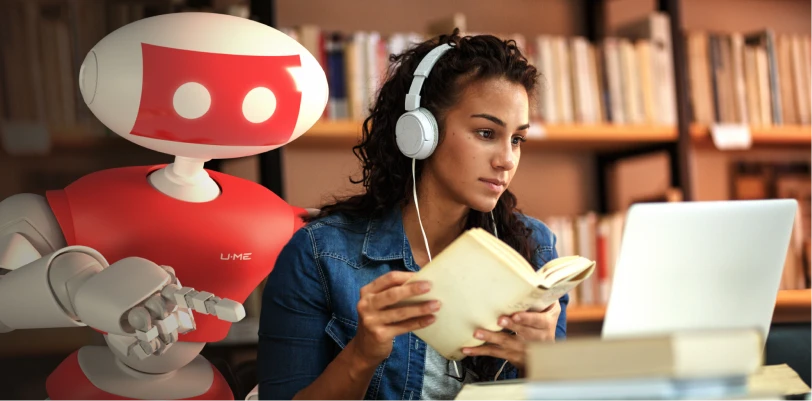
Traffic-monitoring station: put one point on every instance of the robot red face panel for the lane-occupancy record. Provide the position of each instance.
(217, 99)
(203, 85)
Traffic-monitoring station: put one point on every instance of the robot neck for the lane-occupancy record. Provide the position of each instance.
(186, 180)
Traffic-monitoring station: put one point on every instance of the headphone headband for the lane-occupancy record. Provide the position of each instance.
(421, 73)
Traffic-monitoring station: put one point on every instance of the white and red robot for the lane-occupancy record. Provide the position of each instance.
(159, 258)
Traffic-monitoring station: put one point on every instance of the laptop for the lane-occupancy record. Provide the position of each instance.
(699, 266)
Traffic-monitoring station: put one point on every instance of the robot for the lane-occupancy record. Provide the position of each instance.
(159, 258)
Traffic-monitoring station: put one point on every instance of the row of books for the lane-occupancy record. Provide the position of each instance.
(624, 80)
(598, 237)
(355, 64)
(759, 78)
(43, 46)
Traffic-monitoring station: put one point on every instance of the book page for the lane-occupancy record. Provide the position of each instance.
(568, 268)
(541, 298)
(512, 259)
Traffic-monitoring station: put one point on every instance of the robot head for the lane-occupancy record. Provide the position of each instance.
(203, 85)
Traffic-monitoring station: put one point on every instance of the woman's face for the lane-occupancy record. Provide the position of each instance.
(479, 153)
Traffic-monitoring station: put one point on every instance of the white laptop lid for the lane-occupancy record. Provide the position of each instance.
(699, 265)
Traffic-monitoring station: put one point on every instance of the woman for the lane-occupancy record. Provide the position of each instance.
(328, 328)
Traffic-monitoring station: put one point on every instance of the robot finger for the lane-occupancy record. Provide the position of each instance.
(205, 303)
(167, 327)
(143, 349)
(169, 270)
(186, 322)
(225, 309)
(139, 318)
(158, 307)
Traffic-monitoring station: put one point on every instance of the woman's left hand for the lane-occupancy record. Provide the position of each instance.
(528, 326)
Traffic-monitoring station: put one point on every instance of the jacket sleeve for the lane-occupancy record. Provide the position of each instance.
(293, 348)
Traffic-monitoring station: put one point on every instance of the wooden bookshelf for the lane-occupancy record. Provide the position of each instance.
(763, 136)
(791, 306)
(344, 134)
(327, 134)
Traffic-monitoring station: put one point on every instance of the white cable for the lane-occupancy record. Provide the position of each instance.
(419, 220)
(493, 219)
(425, 239)
(428, 251)
(500, 371)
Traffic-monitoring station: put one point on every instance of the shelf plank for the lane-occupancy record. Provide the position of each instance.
(791, 306)
(779, 135)
(327, 134)
(345, 134)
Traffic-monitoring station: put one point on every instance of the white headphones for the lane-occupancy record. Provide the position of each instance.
(416, 130)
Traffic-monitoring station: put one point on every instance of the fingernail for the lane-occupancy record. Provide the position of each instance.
(466, 351)
(435, 305)
(425, 286)
(517, 318)
(503, 322)
(479, 335)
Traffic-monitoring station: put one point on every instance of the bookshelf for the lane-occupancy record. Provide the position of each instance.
(594, 137)
(780, 135)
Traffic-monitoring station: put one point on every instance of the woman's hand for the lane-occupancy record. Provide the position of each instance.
(380, 321)
(528, 326)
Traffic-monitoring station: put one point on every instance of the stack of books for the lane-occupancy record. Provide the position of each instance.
(719, 364)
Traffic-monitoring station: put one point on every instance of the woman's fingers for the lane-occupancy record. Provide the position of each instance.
(410, 325)
(396, 294)
(385, 282)
(402, 313)
(501, 339)
(488, 350)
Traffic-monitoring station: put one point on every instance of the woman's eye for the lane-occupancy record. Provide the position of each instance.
(519, 139)
(485, 133)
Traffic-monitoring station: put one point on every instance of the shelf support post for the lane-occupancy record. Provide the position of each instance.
(681, 152)
(270, 163)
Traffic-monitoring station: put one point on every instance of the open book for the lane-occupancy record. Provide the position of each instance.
(479, 278)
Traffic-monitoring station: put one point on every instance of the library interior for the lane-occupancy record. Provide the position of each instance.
(640, 102)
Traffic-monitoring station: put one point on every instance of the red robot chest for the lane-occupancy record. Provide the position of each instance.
(226, 246)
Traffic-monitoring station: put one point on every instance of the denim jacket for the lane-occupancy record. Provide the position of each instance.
(309, 304)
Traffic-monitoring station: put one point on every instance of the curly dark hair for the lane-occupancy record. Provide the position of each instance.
(387, 177)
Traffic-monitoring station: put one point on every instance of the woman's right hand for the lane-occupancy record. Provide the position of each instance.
(379, 321)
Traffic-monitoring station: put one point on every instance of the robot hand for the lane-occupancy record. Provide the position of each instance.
(167, 314)
(145, 302)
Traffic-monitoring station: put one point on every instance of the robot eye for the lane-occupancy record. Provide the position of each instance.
(191, 100)
(259, 105)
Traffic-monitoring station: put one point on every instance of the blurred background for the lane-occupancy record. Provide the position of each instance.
(641, 101)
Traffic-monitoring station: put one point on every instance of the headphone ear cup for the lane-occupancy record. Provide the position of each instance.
(416, 134)
(434, 131)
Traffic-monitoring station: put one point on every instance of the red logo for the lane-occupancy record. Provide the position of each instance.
(210, 90)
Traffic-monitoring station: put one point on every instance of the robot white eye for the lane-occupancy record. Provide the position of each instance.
(259, 105)
(192, 100)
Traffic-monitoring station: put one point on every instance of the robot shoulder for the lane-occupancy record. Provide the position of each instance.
(31, 216)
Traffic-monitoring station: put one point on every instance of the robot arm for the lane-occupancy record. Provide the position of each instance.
(49, 284)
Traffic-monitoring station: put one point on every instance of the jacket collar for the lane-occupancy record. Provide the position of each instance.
(386, 239)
